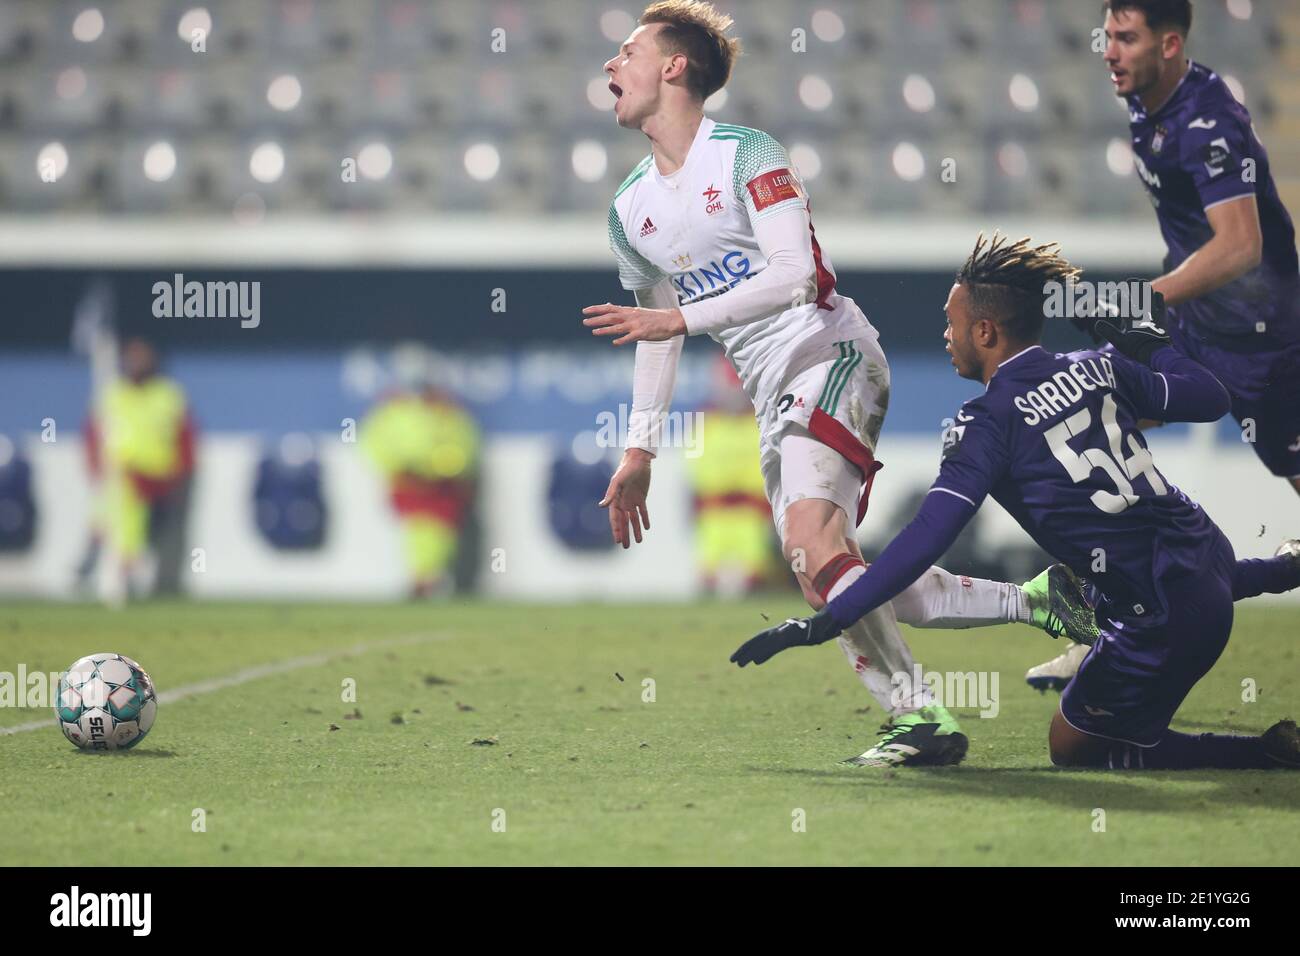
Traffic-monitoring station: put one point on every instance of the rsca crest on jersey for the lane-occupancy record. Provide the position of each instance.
(713, 278)
(1158, 139)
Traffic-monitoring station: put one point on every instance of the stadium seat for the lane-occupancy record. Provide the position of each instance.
(918, 103)
(1104, 191)
(470, 28)
(279, 162)
(1016, 31)
(914, 71)
(78, 178)
(65, 99)
(1102, 112)
(922, 35)
(176, 98)
(401, 33)
(14, 35)
(158, 173)
(593, 28)
(485, 169)
(82, 33)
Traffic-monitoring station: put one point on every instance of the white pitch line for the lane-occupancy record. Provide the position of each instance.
(255, 673)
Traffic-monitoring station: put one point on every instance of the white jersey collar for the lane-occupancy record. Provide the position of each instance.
(674, 179)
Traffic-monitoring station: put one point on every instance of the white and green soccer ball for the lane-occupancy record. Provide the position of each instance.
(106, 702)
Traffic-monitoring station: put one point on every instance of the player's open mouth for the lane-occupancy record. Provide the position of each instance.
(1117, 75)
(616, 90)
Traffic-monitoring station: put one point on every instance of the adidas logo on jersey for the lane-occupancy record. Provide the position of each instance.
(648, 228)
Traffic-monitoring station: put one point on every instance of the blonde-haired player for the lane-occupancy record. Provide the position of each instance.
(712, 232)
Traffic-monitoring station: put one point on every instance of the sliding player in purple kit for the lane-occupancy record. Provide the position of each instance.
(1231, 275)
(1055, 440)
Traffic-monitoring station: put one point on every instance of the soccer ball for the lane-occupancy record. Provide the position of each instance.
(106, 702)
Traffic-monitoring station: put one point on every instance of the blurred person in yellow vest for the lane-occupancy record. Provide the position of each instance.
(426, 445)
(139, 443)
(734, 541)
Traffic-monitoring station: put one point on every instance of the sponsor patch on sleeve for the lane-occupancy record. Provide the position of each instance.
(954, 431)
(952, 437)
(772, 188)
(1215, 154)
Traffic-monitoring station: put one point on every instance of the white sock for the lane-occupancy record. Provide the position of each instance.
(881, 658)
(939, 598)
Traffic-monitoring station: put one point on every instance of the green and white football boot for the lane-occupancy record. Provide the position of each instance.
(928, 737)
(1059, 605)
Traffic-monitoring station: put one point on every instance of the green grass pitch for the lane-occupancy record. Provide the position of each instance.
(580, 769)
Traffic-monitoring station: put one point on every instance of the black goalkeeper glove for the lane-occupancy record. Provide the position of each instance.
(1140, 339)
(817, 629)
(1088, 324)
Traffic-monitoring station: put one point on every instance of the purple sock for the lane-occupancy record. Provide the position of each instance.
(1193, 751)
(1255, 576)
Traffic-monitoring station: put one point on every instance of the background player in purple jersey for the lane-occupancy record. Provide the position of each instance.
(1231, 270)
(1055, 440)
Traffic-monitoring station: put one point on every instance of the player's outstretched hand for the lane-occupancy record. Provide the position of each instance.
(1138, 339)
(794, 632)
(633, 324)
(626, 495)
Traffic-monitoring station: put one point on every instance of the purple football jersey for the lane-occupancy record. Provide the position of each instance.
(1195, 151)
(1054, 440)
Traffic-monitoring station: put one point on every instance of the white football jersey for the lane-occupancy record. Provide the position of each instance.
(695, 228)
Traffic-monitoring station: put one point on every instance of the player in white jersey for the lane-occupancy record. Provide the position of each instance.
(712, 232)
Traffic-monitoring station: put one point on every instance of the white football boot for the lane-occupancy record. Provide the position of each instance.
(1059, 671)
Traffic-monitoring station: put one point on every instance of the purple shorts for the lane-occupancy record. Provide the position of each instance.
(1143, 666)
(1265, 388)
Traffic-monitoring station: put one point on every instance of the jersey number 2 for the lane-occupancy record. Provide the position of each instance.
(1122, 470)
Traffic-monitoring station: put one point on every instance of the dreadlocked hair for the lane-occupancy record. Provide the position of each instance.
(1008, 282)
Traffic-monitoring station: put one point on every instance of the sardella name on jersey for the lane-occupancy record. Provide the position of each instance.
(1050, 398)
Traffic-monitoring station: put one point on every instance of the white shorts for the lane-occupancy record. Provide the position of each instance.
(818, 438)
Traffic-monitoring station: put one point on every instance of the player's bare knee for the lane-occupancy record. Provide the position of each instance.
(1072, 748)
(1059, 745)
(1062, 752)
(800, 547)
(1060, 757)
(811, 537)
(808, 554)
